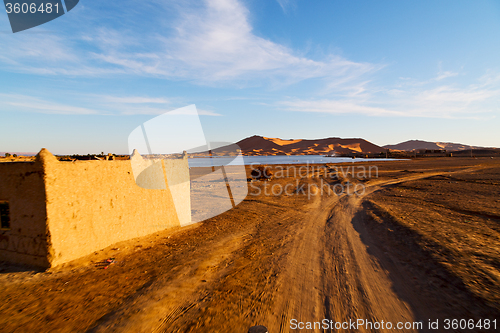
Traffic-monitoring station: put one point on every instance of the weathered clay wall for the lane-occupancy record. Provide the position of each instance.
(62, 211)
(93, 204)
(177, 175)
(21, 184)
(171, 173)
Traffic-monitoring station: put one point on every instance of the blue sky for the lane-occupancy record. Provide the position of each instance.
(386, 71)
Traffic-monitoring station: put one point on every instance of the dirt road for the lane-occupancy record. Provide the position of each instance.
(280, 261)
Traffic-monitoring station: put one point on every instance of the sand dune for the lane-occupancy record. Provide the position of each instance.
(282, 142)
(258, 145)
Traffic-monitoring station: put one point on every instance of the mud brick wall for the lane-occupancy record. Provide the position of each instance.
(66, 210)
(22, 186)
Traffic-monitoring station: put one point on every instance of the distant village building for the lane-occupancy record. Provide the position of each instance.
(52, 212)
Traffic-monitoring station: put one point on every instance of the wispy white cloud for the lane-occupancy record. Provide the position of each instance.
(216, 44)
(99, 105)
(444, 75)
(491, 78)
(135, 100)
(474, 101)
(147, 110)
(48, 54)
(448, 94)
(200, 112)
(286, 5)
(25, 103)
(134, 105)
(212, 44)
(440, 76)
(336, 107)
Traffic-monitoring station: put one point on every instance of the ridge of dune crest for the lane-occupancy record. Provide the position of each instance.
(329, 145)
(282, 142)
(353, 146)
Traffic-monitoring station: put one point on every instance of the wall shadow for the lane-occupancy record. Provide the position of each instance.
(419, 279)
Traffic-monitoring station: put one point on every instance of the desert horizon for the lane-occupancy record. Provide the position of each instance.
(260, 145)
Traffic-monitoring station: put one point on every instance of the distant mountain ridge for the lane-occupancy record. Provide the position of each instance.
(413, 145)
(258, 145)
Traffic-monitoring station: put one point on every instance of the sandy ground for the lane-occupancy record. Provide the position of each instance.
(421, 243)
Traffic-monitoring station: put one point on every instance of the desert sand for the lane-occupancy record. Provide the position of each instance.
(263, 146)
(421, 243)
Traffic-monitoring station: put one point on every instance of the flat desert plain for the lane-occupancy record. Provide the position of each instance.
(421, 242)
